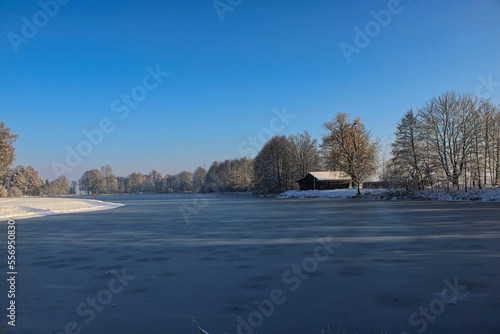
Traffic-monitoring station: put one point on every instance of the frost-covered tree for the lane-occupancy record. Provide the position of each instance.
(7, 153)
(199, 176)
(3, 191)
(158, 181)
(218, 178)
(135, 182)
(110, 182)
(26, 179)
(183, 182)
(59, 186)
(15, 192)
(229, 176)
(241, 174)
(92, 182)
(122, 184)
(149, 183)
(212, 180)
(349, 148)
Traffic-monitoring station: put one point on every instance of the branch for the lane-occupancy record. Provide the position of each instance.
(202, 331)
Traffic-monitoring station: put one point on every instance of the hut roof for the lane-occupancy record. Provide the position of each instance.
(328, 176)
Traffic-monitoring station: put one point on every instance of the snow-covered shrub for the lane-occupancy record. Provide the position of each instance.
(3, 191)
(15, 192)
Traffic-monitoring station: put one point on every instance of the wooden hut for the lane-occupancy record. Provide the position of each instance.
(324, 181)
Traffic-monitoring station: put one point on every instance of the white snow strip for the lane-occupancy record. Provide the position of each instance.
(484, 195)
(337, 193)
(30, 207)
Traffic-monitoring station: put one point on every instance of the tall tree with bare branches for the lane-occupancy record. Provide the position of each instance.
(273, 166)
(305, 153)
(449, 120)
(489, 127)
(494, 148)
(349, 148)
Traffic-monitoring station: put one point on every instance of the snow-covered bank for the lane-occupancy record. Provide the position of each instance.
(485, 195)
(30, 207)
(337, 193)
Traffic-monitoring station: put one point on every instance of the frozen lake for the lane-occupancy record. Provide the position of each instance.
(280, 266)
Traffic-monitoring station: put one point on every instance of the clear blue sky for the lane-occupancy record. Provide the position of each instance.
(225, 76)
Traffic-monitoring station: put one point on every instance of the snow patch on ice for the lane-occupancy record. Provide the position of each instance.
(30, 207)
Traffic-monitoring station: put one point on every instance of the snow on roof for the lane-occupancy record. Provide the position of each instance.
(329, 176)
(326, 176)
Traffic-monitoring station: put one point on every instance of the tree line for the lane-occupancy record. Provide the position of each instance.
(281, 161)
(347, 146)
(450, 142)
(24, 181)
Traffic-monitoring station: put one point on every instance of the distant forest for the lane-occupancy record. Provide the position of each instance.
(450, 142)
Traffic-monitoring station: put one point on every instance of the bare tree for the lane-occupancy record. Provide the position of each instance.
(350, 149)
(494, 148)
(305, 154)
(489, 120)
(449, 121)
(453, 139)
(107, 171)
(73, 189)
(273, 166)
(7, 153)
(473, 163)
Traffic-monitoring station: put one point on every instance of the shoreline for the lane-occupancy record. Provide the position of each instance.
(474, 195)
(38, 206)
